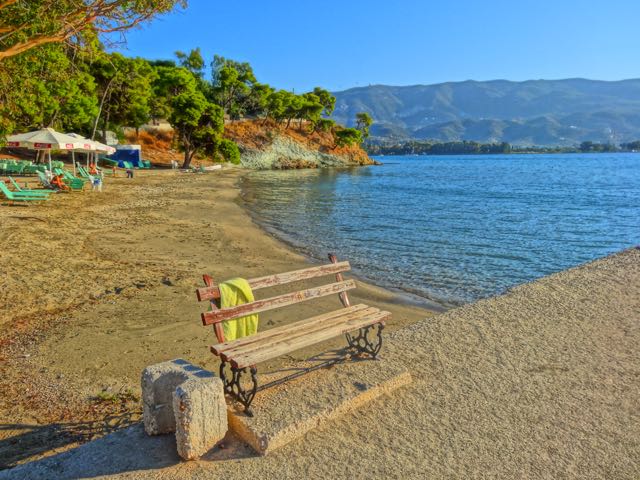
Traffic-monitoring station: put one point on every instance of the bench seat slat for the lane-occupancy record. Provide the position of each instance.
(213, 292)
(289, 345)
(299, 329)
(233, 345)
(216, 316)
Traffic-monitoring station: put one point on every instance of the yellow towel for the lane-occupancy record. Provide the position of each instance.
(233, 292)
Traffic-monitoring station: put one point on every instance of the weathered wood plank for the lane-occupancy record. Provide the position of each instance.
(296, 330)
(287, 346)
(213, 292)
(217, 328)
(209, 318)
(344, 298)
(283, 329)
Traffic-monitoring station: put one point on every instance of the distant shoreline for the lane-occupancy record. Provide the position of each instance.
(494, 154)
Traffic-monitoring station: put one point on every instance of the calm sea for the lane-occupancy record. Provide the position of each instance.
(452, 229)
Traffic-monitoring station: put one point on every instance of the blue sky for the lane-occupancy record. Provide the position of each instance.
(342, 44)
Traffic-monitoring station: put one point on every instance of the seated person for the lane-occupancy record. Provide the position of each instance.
(57, 182)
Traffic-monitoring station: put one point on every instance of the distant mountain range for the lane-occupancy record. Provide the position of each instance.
(535, 112)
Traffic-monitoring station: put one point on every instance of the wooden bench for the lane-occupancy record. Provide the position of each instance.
(245, 353)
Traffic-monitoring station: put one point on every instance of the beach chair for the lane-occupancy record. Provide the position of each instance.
(82, 173)
(243, 354)
(34, 193)
(19, 197)
(74, 183)
(15, 168)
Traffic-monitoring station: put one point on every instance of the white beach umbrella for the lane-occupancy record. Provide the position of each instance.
(101, 147)
(96, 147)
(46, 139)
(86, 146)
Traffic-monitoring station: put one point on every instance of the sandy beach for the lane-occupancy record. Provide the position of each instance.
(95, 287)
(541, 382)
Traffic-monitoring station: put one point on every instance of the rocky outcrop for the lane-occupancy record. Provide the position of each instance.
(270, 145)
(286, 153)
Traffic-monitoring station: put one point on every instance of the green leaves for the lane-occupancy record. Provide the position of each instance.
(44, 87)
(363, 122)
(327, 100)
(229, 151)
(198, 123)
(347, 136)
(124, 88)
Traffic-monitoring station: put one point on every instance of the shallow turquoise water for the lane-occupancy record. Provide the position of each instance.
(452, 229)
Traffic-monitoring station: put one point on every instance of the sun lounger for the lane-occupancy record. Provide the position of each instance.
(74, 183)
(34, 193)
(19, 197)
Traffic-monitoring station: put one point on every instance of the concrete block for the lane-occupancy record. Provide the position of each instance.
(201, 416)
(284, 413)
(159, 381)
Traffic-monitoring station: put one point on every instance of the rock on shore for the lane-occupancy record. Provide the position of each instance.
(285, 153)
(269, 145)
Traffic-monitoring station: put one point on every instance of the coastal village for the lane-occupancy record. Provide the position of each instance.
(155, 325)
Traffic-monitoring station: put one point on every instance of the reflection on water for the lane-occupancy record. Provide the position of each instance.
(456, 228)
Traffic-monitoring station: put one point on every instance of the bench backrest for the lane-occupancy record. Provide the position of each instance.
(217, 315)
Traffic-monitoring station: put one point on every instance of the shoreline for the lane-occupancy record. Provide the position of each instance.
(121, 269)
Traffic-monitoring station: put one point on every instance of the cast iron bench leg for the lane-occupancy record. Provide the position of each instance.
(234, 388)
(363, 344)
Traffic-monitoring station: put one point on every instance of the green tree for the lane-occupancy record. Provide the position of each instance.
(324, 125)
(258, 100)
(293, 105)
(363, 122)
(46, 87)
(169, 82)
(28, 24)
(232, 84)
(327, 100)
(276, 104)
(192, 61)
(125, 90)
(198, 124)
(311, 109)
(347, 136)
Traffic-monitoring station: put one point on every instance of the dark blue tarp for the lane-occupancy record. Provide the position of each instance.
(127, 155)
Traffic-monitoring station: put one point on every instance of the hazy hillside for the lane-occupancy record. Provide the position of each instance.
(540, 112)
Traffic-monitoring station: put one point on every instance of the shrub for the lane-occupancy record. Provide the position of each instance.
(229, 151)
(347, 136)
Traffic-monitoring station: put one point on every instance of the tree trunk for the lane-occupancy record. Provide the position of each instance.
(104, 128)
(102, 100)
(188, 155)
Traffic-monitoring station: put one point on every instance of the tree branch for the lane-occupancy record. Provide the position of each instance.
(34, 42)
(107, 16)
